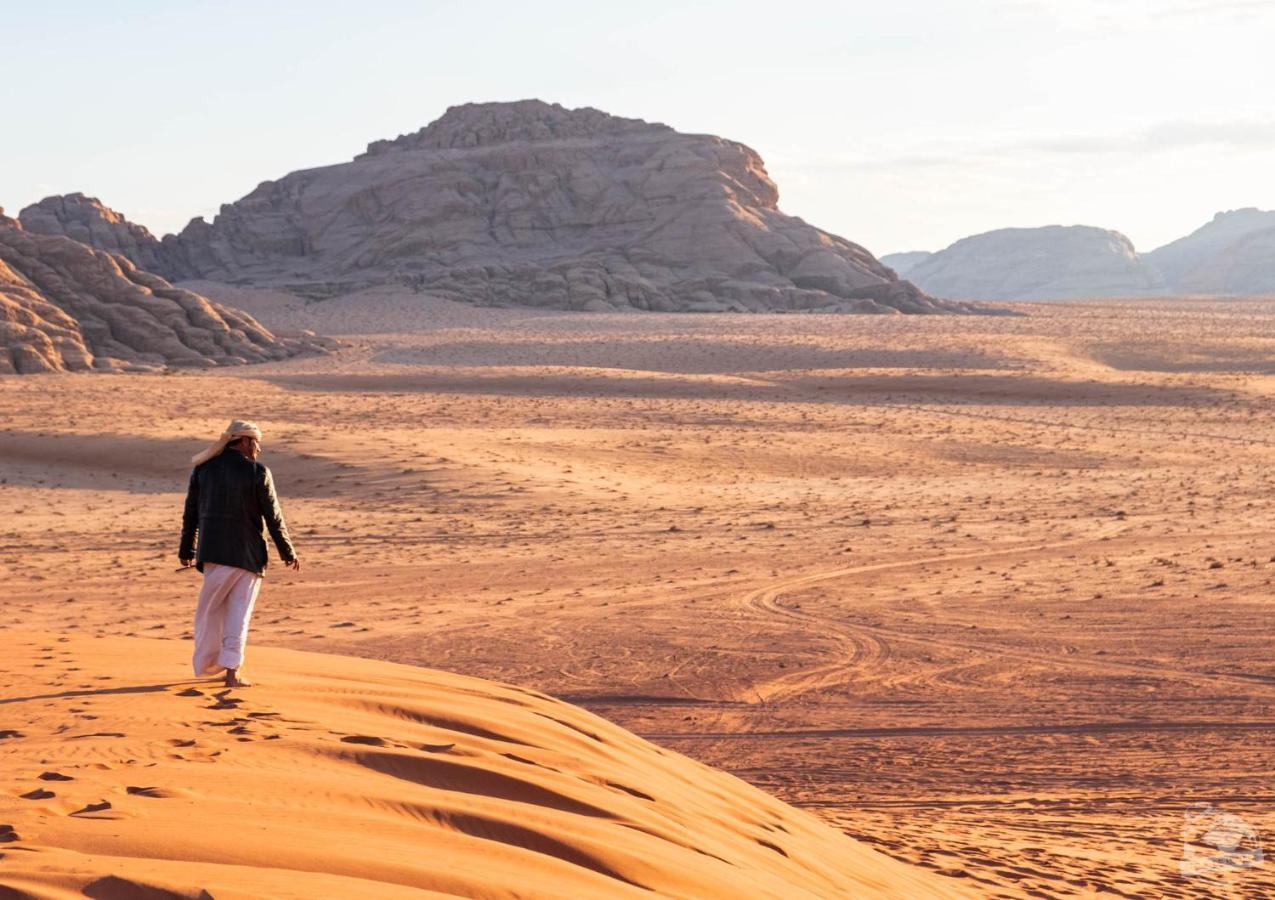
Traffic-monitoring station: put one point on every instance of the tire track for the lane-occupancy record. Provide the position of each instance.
(859, 647)
(862, 648)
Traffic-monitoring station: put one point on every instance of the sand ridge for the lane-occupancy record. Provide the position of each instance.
(338, 776)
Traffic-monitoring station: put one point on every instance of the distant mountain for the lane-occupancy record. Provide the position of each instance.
(1246, 266)
(65, 306)
(902, 263)
(527, 203)
(1232, 254)
(1049, 263)
(1228, 255)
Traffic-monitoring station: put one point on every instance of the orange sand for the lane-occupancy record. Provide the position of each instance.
(991, 595)
(343, 777)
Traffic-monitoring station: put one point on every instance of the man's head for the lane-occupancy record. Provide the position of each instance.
(248, 446)
(243, 435)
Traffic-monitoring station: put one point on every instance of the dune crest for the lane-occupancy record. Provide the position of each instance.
(347, 777)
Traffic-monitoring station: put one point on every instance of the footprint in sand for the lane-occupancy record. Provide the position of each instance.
(190, 692)
(153, 792)
(229, 723)
(363, 739)
(54, 776)
(8, 835)
(38, 794)
(9, 733)
(93, 807)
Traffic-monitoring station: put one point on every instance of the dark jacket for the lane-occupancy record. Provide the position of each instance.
(227, 500)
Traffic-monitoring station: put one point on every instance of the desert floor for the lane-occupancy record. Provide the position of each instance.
(990, 594)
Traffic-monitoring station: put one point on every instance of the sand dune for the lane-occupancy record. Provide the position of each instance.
(342, 777)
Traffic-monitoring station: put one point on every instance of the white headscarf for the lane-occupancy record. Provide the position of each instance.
(237, 429)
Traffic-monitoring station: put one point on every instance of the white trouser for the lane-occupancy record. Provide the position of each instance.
(221, 620)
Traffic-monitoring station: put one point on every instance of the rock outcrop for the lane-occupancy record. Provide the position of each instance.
(89, 221)
(1232, 254)
(1050, 263)
(65, 306)
(533, 204)
(904, 262)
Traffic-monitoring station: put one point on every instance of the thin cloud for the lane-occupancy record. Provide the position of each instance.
(1142, 13)
(917, 161)
(1162, 137)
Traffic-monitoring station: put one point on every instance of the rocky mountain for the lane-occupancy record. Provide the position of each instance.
(87, 220)
(1246, 266)
(530, 203)
(1053, 262)
(1226, 255)
(1232, 254)
(904, 262)
(65, 306)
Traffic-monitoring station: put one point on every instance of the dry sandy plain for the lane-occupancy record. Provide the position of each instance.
(991, 595)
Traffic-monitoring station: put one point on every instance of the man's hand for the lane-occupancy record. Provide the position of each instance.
(187, 563)
(294, 565)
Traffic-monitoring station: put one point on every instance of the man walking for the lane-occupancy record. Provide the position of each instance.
(230, 494)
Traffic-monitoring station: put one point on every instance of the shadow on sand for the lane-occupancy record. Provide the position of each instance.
(102, 692)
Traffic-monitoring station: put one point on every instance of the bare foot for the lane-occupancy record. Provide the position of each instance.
(235, 680)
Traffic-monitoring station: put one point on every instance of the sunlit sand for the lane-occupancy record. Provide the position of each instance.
(987, 594)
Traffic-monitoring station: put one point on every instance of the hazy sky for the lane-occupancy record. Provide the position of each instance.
(900, 125)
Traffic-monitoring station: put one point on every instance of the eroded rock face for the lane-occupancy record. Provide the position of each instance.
(89, 221)
(1229, 255)
(1245, 266)
(67, 307)
(1050, 263)
(532, 204)
(485, 124)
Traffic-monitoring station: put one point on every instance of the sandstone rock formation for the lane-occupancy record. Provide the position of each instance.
(902, 263)
(1054, 262)
(87, 220)
(1229, 255)
(67, 307)
(530, 203)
